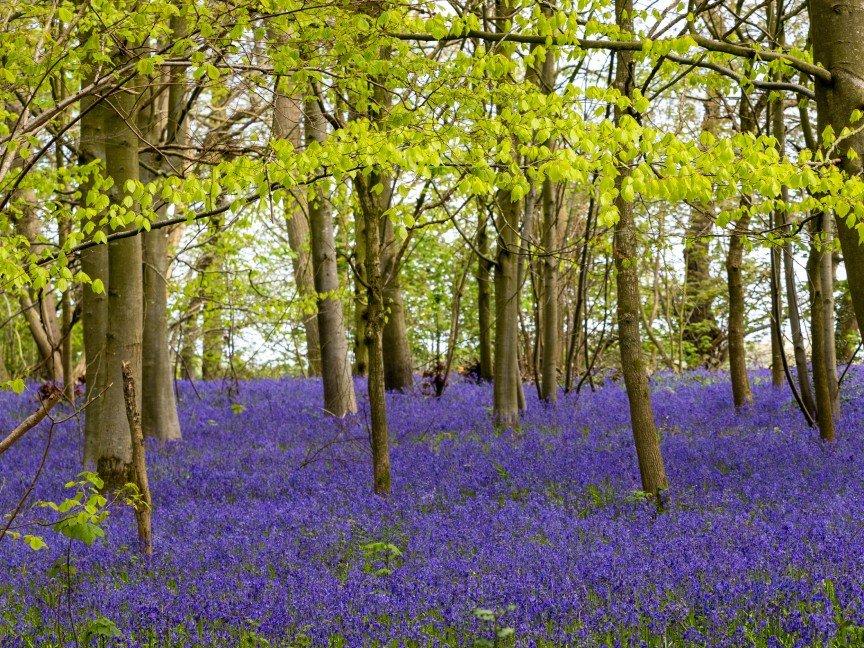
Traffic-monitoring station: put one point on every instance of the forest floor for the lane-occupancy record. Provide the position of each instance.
(267, 533)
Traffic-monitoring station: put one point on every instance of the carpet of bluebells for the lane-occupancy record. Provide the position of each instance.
(267, 533)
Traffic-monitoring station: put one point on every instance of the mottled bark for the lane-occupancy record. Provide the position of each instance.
(821, 384)
(626, 253)
(398, 363)
(837, 34)
(506, 391)
(484, 300)
(373, 214)
(113, 452)
(741, 393)
(701, 332)
(826, 275)
(158, 401)
(288, 124)
(94, 306)
(847, 334)
(339, 397)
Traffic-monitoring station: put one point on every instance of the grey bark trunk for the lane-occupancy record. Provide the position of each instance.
(339, 398)
(158, 401)
(288, 124)
(113, 453)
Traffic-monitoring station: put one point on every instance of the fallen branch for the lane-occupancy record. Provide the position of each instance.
(31, 421)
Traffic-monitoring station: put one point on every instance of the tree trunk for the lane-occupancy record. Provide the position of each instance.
(826, 275)
(398, 364)
(837, 34)
(361, 353)
(372, 215)
(741, 394)
(339, 397)
(506, 392)
(629, 304)
(776, 331)
(821, 384)
(158, 401)
(40, 306)
(484, 299)
(505, 404)
(94, 305)
(549, 305)
(701, 332)
(847, 335)
(113, 453)
(543, 75)
(287, 124)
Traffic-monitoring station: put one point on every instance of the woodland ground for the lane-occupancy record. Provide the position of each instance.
(266, 529)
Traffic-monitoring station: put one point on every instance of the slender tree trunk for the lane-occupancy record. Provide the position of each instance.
(549, 305)
(826, 274)
(339, 398)
(113, 454)
(373, 214)
(777, 375)
(800, 351)
(361, 355)
(821, 384)
(484, 299)
(741, 394)
(212, 323)
(629, 304)
(373, 208)
(506, 356)
(39, 306)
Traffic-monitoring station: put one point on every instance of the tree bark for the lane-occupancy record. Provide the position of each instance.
(94, 305)
(288, 124)
(484, 299)
(543, 76)
(374, 319)
(701, 332)
(398, 364)
(361, 352)
(837, 34)
(625, 250)
(741, 393)
(506, 389)
(113, 454)
(826, 275)
(158, 401)
(339, 397)
(821, 384)
(847, 328)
